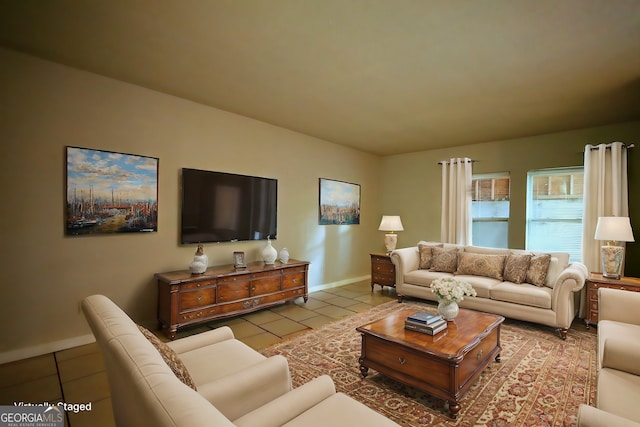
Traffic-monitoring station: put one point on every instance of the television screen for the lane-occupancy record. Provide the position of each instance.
(225, 207)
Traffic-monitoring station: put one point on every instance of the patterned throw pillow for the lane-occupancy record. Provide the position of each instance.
(426, 255)
(444, 260)
(538, 267)
(481, 265)
(170, 357)
(516, 267)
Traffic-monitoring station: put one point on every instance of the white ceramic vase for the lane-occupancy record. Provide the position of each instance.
(284, 255)
(199, 264)
(448, 310)
(269, 253)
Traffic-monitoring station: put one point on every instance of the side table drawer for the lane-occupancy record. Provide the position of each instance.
(383, 278)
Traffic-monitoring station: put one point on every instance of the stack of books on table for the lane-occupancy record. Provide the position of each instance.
(426, 323)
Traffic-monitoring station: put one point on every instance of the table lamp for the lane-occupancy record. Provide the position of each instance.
(613, 229)
(390, 224)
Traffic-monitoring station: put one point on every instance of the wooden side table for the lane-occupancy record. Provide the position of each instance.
(595, 282)
(383, 272)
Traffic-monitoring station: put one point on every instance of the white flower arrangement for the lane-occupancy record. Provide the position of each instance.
(449, 289)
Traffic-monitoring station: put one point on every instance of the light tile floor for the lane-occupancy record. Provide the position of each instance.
(77, 375)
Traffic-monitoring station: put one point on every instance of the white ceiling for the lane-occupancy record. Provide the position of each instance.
(382, 76)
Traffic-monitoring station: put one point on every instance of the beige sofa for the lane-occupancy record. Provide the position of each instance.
(552, 300)
(234, 384)
(618, 390)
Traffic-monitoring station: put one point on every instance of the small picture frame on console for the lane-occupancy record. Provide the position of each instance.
(238, 260)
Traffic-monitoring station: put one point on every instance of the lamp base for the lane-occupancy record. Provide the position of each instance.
(390, 241)
(611, 257)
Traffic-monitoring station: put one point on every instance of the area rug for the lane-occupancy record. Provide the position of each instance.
(540, 381)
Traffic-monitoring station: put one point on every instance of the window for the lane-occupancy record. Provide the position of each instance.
(554, 211)
(490, 210)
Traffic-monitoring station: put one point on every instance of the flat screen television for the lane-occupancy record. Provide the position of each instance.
(225, 207)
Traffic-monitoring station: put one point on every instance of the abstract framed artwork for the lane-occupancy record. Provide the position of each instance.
(339, 202)
(109, 192)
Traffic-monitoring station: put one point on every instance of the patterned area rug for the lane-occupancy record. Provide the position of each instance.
(540, 381)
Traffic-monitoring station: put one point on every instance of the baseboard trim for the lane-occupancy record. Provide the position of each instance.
(40, 349)
(331, 285)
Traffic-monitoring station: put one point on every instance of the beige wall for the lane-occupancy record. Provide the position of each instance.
(411, 184)
(45, 107)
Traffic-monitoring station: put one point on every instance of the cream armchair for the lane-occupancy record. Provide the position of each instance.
(233, 385)
(618, 390)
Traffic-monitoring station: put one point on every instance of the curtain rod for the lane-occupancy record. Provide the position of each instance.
(441, 162)
(608, 147)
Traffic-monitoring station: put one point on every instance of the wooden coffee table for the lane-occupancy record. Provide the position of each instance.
(444, 365)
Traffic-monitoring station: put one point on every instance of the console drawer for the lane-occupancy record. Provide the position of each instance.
(195, 299)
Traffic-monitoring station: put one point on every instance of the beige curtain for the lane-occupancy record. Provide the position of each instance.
(605, 194)
(455, 226)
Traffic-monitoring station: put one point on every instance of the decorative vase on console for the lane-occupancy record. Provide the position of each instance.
(269, 253)
(200, 262)
(284, 255)
(449, 292)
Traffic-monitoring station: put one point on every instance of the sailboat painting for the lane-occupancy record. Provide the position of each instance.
(109, 192)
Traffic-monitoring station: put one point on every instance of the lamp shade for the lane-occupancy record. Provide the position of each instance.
(614, 229)
(390, 223)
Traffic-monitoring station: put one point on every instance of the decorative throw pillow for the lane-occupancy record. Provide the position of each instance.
(426, 255)
(481, 265)
(538, 267)
(516, 267)
(444, 260)
(170, 357)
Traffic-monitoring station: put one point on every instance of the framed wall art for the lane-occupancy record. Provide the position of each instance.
(339, 202)
(109, 192)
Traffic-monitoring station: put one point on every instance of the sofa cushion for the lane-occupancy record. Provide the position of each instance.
(516, 267)
(525, 294)
(482, 285)
(486, 250)
(231, 357)
(423, 277)
(481, 265)
(445, 259)
(170, 357)
(559, 261)
(426, 255)
(618, 393)
(538, 268)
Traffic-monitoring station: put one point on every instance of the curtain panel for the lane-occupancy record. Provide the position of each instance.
(605, 194)
(456, 221)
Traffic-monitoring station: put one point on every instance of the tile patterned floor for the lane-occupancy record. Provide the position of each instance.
(78, 374)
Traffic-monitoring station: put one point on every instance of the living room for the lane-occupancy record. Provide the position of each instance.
(48, 106)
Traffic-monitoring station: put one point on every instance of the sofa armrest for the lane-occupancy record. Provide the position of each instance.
(285, 408)
(405, 260)
(203, 339)
(569, 281)
(572, 277)
(239, 393)
(621, 354)
(619, 306)
(588, 416)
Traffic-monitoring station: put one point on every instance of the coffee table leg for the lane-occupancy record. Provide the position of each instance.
(454, 408)
(364, 371)
(498, 357)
